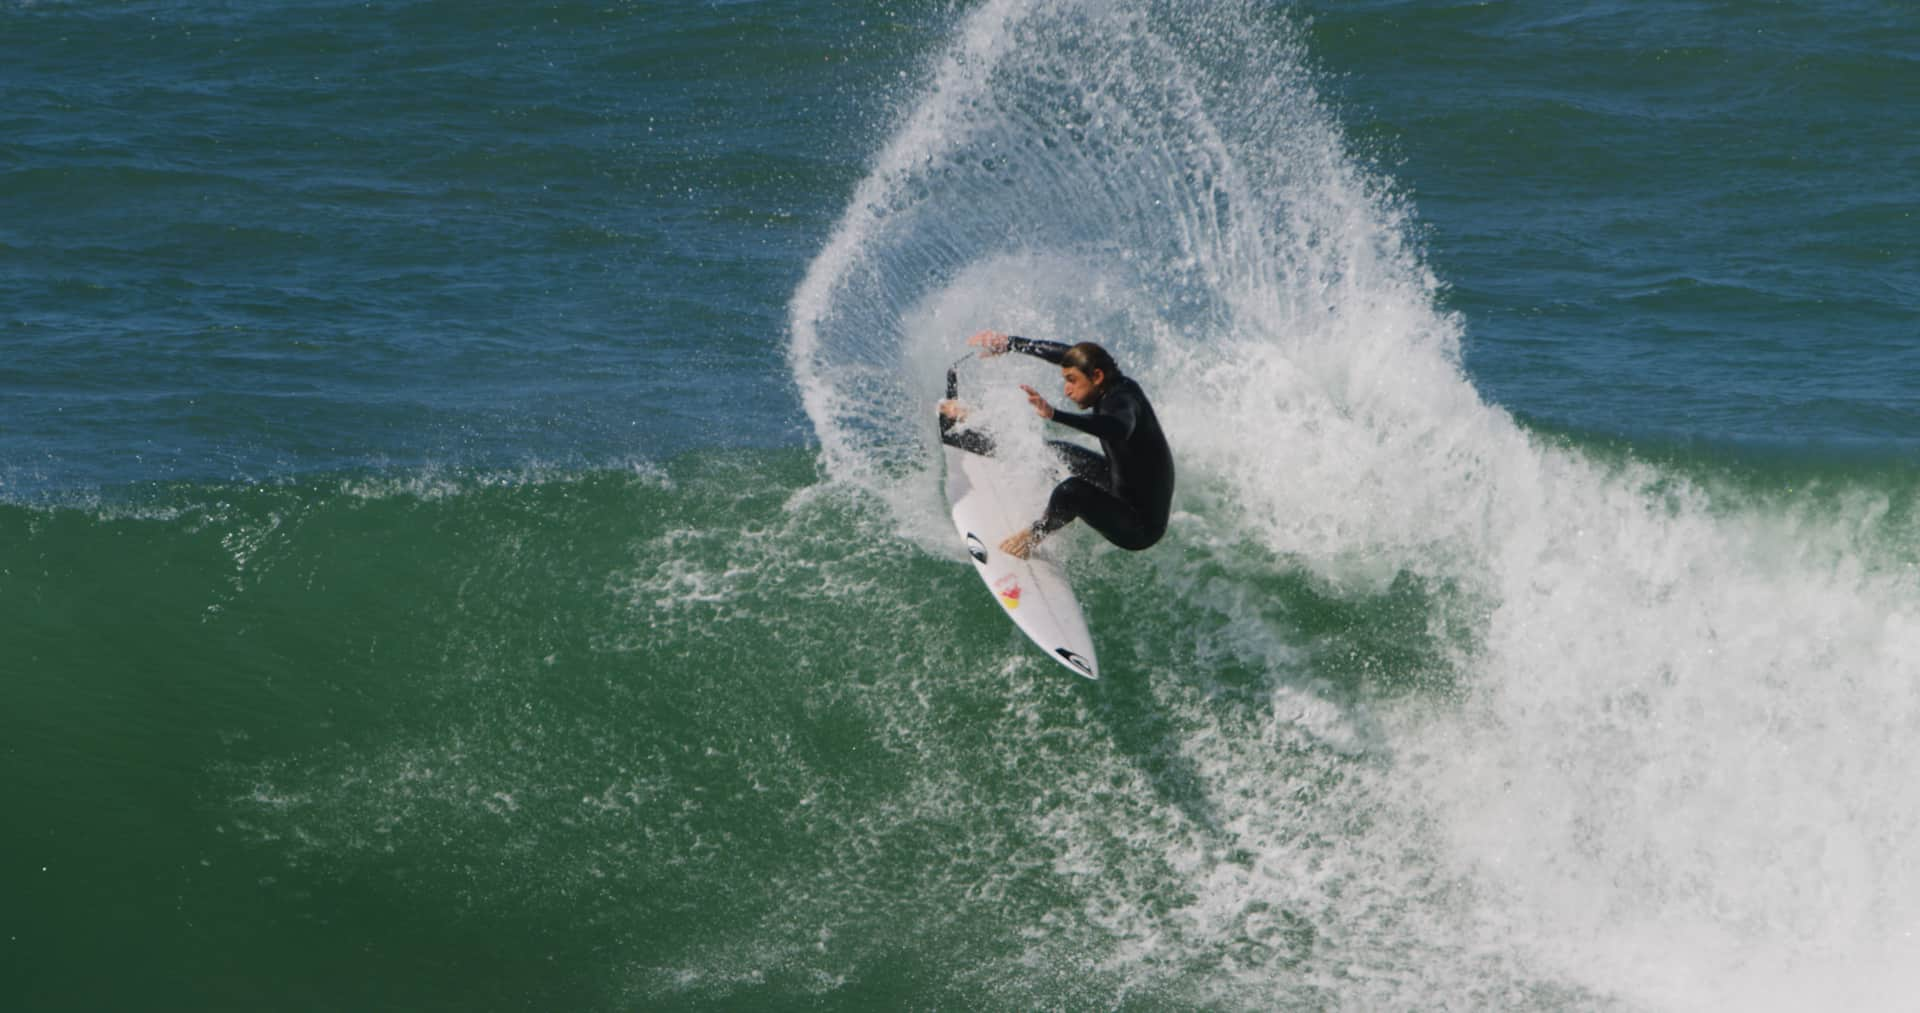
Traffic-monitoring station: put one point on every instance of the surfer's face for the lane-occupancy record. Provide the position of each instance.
(1079, 388)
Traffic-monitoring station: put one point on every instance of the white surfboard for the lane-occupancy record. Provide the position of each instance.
(1033, 591)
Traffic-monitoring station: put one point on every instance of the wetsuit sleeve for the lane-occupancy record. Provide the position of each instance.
(1113, 423)
(1048, 350)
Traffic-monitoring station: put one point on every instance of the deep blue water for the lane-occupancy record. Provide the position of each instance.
(246, 242)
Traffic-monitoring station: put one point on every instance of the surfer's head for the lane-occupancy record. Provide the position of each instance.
(1086, 370)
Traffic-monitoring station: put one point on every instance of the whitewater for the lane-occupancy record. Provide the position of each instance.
(1655, 748)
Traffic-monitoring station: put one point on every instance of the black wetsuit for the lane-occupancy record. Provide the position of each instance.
(1126, 494)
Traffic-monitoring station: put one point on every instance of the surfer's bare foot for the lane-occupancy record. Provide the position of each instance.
(1019, 546)
(953, 410)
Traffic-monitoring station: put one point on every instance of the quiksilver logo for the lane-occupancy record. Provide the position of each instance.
(1075, 660)
(976, 548)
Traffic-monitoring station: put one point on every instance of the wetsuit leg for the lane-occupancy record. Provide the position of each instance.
(1088, 495)
(1083, 463)
(1078, 499)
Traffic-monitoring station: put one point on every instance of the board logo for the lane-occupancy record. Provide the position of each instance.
(976, 548)
(1075, 660)
(1008, 588)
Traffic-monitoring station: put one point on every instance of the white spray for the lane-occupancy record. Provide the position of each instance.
(1679, 767)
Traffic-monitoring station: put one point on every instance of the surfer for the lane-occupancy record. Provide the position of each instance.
(1124, 493)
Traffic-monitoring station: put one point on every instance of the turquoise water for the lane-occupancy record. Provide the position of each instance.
(467, 540)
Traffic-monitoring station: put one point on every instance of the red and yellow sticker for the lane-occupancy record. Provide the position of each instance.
(1008, 588)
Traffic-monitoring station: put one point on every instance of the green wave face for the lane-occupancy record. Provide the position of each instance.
(712, 734)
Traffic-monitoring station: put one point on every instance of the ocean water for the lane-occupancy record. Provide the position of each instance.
(470, 536)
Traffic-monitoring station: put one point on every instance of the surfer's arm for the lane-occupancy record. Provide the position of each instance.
(1048, 350)
(1114, 424)
(993, 343)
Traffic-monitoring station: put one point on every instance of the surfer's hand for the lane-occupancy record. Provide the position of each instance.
(1038, 402)
(953, 410)
(990, 343)
(1019, 545)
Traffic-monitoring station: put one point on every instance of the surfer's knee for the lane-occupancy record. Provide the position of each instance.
(1082, 462)
(1069, 500)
